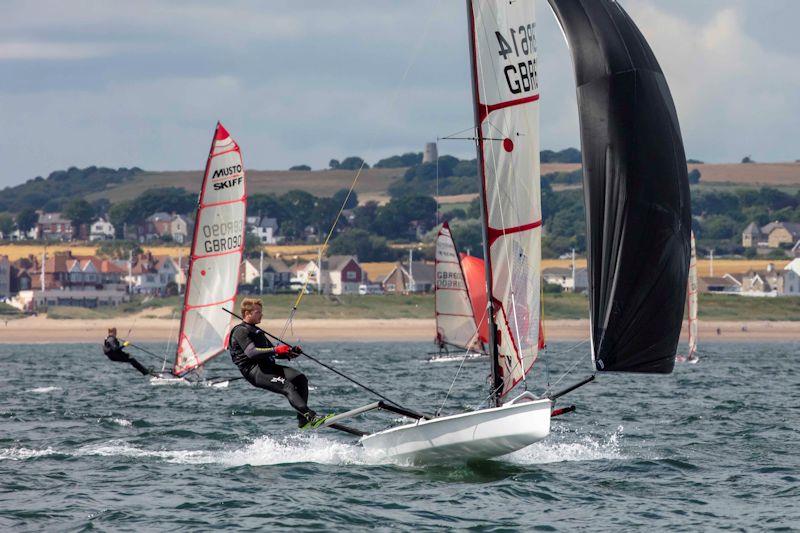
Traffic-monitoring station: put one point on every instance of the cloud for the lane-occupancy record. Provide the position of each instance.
(142, 83)
(53, 50)
(734, 96)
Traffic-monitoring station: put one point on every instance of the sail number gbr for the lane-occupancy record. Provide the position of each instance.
(222, 237)
(518, 49)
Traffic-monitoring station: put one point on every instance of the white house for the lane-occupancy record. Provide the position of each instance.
(791, 286)
(344, 274)
(101, 230)
(266, 229)
(151, 274)
(564, 278)
(180, 229)
(341, 274)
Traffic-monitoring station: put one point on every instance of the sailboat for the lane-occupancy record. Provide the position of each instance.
(637, 213)
(691, 310)
(507, 123)
(215, 259)
(460, 294)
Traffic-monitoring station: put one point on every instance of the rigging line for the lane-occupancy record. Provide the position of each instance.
(570, 369)
(391, 105)
(169, 339)
(453, 135)
(145, 351)
(446, 396)
(584, 341)
(332, 369)
(472, 139)
(546, 356)
(438, 204)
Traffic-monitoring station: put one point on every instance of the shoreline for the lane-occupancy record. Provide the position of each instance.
(46, 330)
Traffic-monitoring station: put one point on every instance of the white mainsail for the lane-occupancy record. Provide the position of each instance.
(455, 322)
(506, 92)
(691, 303)
(216, 254)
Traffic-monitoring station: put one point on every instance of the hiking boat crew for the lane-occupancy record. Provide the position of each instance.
(113, 350)
(256, 356)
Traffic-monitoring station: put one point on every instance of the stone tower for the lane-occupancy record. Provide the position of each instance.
(430, 155)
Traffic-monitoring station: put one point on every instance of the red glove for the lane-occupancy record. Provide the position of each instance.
(282, 349)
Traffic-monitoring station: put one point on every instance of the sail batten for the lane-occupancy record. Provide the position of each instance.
(506, 96)
(216, 255)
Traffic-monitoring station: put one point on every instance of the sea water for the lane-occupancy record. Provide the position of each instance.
(89, 444)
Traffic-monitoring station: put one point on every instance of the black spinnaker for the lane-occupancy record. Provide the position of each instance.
(636, 189)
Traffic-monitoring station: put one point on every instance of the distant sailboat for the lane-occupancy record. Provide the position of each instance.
(691, 310)
(460, 298)
(216, 255)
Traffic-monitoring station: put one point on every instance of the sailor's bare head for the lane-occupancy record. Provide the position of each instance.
(112, 331)
(251, 310)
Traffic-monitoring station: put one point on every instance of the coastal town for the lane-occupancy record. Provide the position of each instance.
(35, 282)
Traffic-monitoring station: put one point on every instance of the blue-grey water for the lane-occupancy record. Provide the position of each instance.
(87, 444)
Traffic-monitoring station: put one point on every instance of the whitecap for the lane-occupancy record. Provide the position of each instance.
(122, 422)
(20, 454)
(566, 445)
(116, 448)
(299, 448)
(42, 390)
(263, 451)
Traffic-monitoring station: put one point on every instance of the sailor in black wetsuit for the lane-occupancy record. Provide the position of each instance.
(255, 356)
(113, 350)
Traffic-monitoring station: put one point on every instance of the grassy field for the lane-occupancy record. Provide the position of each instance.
(373, 184)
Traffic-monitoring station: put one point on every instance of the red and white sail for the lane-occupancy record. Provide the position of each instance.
(455, 322)
(216, 255)
(506, 94)
(691, 303)
(474, 270)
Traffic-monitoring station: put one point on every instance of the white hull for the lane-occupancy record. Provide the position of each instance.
(169, 379)
(475, 435)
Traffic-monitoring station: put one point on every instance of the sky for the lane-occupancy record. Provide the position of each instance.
(119, 83)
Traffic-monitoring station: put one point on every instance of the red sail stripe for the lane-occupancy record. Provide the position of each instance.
(484, 110)
(495, 233)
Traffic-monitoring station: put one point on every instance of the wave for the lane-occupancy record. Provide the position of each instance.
(42, 390)
(21, 454)
(569, 445)
(262, 451)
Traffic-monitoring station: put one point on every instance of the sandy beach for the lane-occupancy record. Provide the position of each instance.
(149, 329)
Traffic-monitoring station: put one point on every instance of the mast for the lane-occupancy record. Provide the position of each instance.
(497, 380)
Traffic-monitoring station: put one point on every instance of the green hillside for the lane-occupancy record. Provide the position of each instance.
(371, 182)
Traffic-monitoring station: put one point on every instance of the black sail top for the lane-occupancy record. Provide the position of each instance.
(636, 189)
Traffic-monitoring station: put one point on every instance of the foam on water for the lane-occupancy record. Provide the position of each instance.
(43, 390)
(453, 358)
(263, 451)
(298, 448)
(122, 422)
(117, 448)
(564, 445)
(21, 454)
(158, 381)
